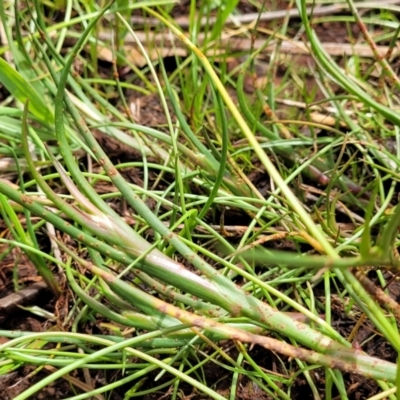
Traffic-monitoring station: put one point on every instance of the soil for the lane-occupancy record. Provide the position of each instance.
(149, 112)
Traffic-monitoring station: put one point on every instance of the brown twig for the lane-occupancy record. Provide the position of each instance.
(184, 22)
(164, 41)
(378, 294)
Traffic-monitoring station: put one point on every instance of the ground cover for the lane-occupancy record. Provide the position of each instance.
(199, 200)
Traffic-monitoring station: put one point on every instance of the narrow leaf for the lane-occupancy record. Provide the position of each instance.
(22, 90)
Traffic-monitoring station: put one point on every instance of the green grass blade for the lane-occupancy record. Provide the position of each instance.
(23, 91)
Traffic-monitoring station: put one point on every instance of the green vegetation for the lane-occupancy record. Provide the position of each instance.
(167, 252)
